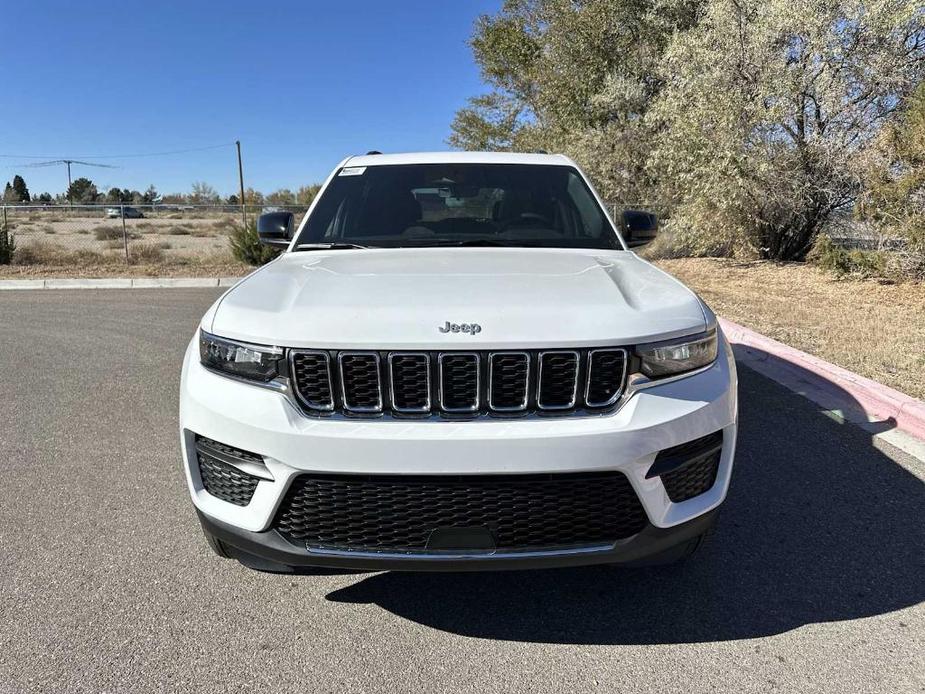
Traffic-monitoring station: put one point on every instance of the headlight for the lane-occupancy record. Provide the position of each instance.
(253, 362)
(660, 359)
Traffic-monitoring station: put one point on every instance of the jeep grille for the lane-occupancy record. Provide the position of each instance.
(458, 384)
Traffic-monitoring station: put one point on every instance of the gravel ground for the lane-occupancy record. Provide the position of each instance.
(814, 581)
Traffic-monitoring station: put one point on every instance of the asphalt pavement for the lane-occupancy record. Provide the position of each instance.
(814, 581)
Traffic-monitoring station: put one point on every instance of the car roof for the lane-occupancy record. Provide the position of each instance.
(458, 158)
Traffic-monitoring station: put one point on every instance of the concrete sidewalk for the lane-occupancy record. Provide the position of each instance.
(119, 283)
(825, 383)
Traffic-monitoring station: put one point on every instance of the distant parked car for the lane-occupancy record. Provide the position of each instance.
(129, 212)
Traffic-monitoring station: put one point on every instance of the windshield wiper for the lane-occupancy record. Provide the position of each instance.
(329, 246)
(466, 242)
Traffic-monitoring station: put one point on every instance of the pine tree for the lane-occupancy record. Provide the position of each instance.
(20, 189)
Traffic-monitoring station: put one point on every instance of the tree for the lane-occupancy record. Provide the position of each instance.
(490, 123)
(44, 198)
(151, 196)
(283, 196)
(233, 200)
(246, 246)
(575, 77)
(203, 194)
(767, 108)
(20, 189)
(305, 194)
(253, 197)
(893, 198)
(9, 195)
(82, 190)
(114, 195)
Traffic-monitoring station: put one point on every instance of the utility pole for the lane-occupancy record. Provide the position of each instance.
(69, 201)
(241, 182)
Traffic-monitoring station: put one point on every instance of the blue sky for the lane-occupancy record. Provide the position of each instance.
(301, 84)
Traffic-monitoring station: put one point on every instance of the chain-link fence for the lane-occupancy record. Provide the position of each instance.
(84, 235)
(107, 234)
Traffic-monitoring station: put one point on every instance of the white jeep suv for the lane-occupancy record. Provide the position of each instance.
(457, 363)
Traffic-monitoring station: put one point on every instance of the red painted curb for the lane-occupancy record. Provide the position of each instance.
(823, 381)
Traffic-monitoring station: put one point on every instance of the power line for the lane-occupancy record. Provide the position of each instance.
(68, 162)
(121, 156)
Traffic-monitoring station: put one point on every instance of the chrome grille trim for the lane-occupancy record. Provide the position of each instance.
(321, 407)
(541, 357)
(361, 409)
(616, 396)
(409, 410)
(478, 381)
(491, 370)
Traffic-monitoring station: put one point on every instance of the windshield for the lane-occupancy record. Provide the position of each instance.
(459, 204)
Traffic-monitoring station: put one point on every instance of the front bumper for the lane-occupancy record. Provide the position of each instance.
(628, 440)
(269, 551)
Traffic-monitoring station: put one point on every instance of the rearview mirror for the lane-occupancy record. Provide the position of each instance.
(275, 229)
(639, 227)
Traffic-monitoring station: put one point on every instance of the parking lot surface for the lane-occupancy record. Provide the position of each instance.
(814, 581)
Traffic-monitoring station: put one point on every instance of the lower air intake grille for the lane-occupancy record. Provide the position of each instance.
(691, 480)
(221, 480)
(690, 469)
(399, 513)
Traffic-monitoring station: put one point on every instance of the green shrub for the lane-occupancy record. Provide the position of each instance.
(246, 246)
(7, 247)
(841, 262)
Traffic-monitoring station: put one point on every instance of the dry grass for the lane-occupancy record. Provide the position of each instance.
(105, 233)
(206, 267)
(43, 259)
(874, 329)
(145, 253)
(40, 253)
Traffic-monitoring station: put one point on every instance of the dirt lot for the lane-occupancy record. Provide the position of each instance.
(876, 330)
(83, 242)
(193, 233)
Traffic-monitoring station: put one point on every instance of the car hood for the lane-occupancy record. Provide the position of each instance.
(399, 298)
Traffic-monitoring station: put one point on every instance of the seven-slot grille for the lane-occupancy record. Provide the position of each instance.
(458, 384)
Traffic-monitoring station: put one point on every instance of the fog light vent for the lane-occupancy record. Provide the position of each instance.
(690, 469)
(220, 472)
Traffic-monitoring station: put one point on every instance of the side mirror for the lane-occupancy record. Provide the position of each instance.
(639, 227)
(275, 229)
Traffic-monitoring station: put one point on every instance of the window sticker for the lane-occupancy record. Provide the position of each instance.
(352, 171)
